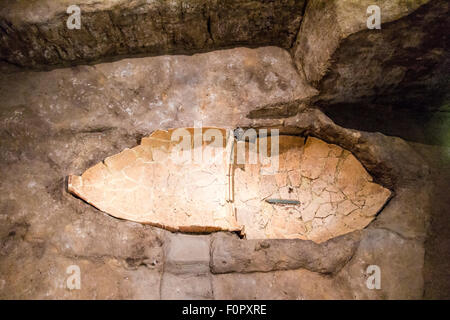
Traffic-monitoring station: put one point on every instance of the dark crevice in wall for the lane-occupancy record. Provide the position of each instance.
(417, 126)
(299, 27)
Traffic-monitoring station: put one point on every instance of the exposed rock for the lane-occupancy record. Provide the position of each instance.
(99, 280)
(292, 284)
(36, 34)
(379, 80)
(400, 261)
(408, 212)
(116, 261)
(230, 254)
(133, 245)
(146, 94)
(388, 251)
(437, 244)
(186, 287)
(338, 19)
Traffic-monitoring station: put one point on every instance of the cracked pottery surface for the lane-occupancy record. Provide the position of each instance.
(150, 184)
(335, 192)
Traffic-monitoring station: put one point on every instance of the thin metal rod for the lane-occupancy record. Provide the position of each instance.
(282, 201)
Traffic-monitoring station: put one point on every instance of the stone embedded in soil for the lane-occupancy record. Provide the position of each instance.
(148, 184)
(230, 254)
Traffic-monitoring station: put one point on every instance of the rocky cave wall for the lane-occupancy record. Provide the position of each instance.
(396, 73)
(35, 34)
(62, 121)
(399, 73)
